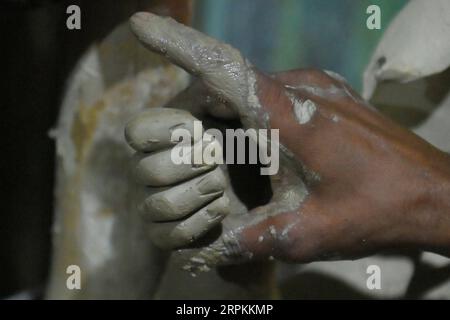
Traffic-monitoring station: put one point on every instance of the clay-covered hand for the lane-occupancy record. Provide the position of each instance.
(351, 182)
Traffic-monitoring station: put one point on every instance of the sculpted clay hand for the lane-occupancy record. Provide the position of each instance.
(351, 182)
(188, 188)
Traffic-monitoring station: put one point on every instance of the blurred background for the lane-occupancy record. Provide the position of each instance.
(288, 34)
(38, 53)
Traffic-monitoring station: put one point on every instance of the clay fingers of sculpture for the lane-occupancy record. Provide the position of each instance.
(189, 199)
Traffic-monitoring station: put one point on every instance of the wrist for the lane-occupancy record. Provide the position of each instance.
(433, 218)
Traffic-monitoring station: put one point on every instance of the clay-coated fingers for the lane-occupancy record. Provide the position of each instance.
(220, 66)
(174, 165)
(172, 235)
(179, 201)
(152, 130)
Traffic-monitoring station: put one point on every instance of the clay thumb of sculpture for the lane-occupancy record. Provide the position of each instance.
(227, 85)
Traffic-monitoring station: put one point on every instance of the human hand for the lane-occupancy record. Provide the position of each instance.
(351, 182)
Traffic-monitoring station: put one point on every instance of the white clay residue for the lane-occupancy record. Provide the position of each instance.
(335, 75)
(335, 118)
(253, 103)
(303, 110)
(285, 232)
(332, 92)
(273, 231)
(252, 98)
(221, 67)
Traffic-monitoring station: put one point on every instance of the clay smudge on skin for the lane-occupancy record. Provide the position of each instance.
(303, 110)
(217, 253)
(285, 233)
(219, 65)
(340, 78)
(228, 249)
(253, 103)
(308, 176)
(273, 231)
(332, 92)
(351, 96)
(335, 75)
(335, 118)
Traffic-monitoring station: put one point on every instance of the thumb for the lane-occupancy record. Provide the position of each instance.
(221, 67)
